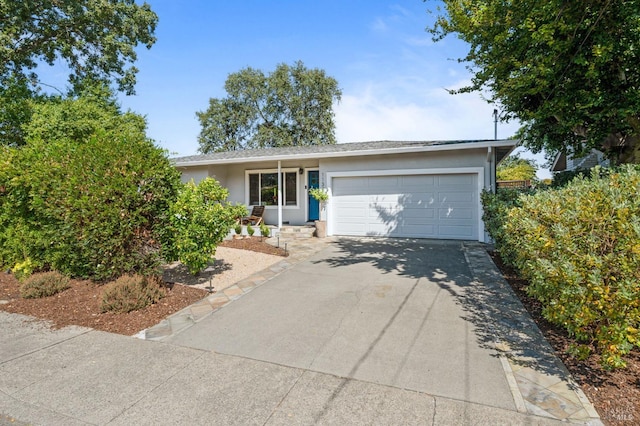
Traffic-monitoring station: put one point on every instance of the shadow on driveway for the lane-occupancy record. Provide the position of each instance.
(467, 273)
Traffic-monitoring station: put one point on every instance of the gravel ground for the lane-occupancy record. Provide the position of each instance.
(231, 265)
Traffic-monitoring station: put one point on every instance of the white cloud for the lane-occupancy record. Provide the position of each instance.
(433, 115)
(365, 116)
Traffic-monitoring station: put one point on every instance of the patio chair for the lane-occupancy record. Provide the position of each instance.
(255, 218)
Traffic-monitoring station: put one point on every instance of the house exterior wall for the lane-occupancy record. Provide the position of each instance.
(234, 176)
(432, 160)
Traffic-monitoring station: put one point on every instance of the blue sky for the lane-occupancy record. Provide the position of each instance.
(393, 77)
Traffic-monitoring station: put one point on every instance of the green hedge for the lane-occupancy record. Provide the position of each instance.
(495, 209)
(91, 209)
(579, 247)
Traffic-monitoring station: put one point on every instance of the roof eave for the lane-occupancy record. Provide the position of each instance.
(384, 151)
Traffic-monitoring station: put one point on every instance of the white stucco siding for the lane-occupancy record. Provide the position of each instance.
(193, 173)
(235, 180)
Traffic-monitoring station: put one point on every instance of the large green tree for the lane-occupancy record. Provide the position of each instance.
(75, 117)
(96, 39)
(567, 69)
(290, 106)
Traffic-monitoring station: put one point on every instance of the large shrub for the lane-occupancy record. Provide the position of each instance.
(579, 247)
(91, 208)
(495, 208)
(200, 220)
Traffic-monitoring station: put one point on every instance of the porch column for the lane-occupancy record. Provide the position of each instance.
(279, 196)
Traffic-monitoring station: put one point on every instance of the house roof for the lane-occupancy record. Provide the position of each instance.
(503, 148)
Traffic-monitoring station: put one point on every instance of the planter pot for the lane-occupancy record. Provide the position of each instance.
(237, 236)
(321, 228)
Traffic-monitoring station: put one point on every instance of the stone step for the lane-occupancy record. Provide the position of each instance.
(297, 232)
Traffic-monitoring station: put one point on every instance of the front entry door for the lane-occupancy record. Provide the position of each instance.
(314, 205)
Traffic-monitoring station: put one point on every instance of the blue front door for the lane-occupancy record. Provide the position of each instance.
(314, 206)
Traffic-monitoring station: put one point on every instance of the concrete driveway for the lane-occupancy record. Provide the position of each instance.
(363, 332)
(419, 315)
(389, 312)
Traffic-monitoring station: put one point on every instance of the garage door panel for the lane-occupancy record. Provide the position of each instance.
(452, 197)
(455, 180)
(457, 232)
(418, 213)
(452, 214)
(384, 198)
(423, 231)
(425, 206)
(417, 181)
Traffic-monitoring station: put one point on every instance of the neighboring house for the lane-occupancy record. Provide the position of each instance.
(564, 162)
(386, 188)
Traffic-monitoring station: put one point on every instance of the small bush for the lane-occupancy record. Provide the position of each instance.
(238, 229)
(579, 247)
(250, 230)
(265, 231)
(131, 292)
(44, 284)
(200, 220)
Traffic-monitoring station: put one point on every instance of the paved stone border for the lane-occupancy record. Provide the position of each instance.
(540, 383)
(300, 249)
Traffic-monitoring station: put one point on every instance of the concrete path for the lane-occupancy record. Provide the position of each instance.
(362, 332)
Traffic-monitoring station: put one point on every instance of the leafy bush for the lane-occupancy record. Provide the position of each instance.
(43, 284)
(562, 179)
(92, 209)
(238, 228)
(265, 231)
(495, 208)
(579, 247)
(131, 292)
(200, 220)
(250, 230)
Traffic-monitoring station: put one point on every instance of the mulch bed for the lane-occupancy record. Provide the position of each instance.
(80, 304)
(254, 244)
(615, 394)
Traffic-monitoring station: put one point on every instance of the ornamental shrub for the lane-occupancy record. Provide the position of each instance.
(265, 231)
(44, 284)
(200, 220)
(495, 208)
(579, 247)
(130, 293)
(93, 209)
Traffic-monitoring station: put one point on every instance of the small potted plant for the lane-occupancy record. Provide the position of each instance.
(238, 229)
(250, 230)
(265, 231)
(322, 196)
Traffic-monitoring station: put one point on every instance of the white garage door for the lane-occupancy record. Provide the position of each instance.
(414, 206)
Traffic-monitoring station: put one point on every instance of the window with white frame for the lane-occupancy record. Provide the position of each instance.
(263, 188)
